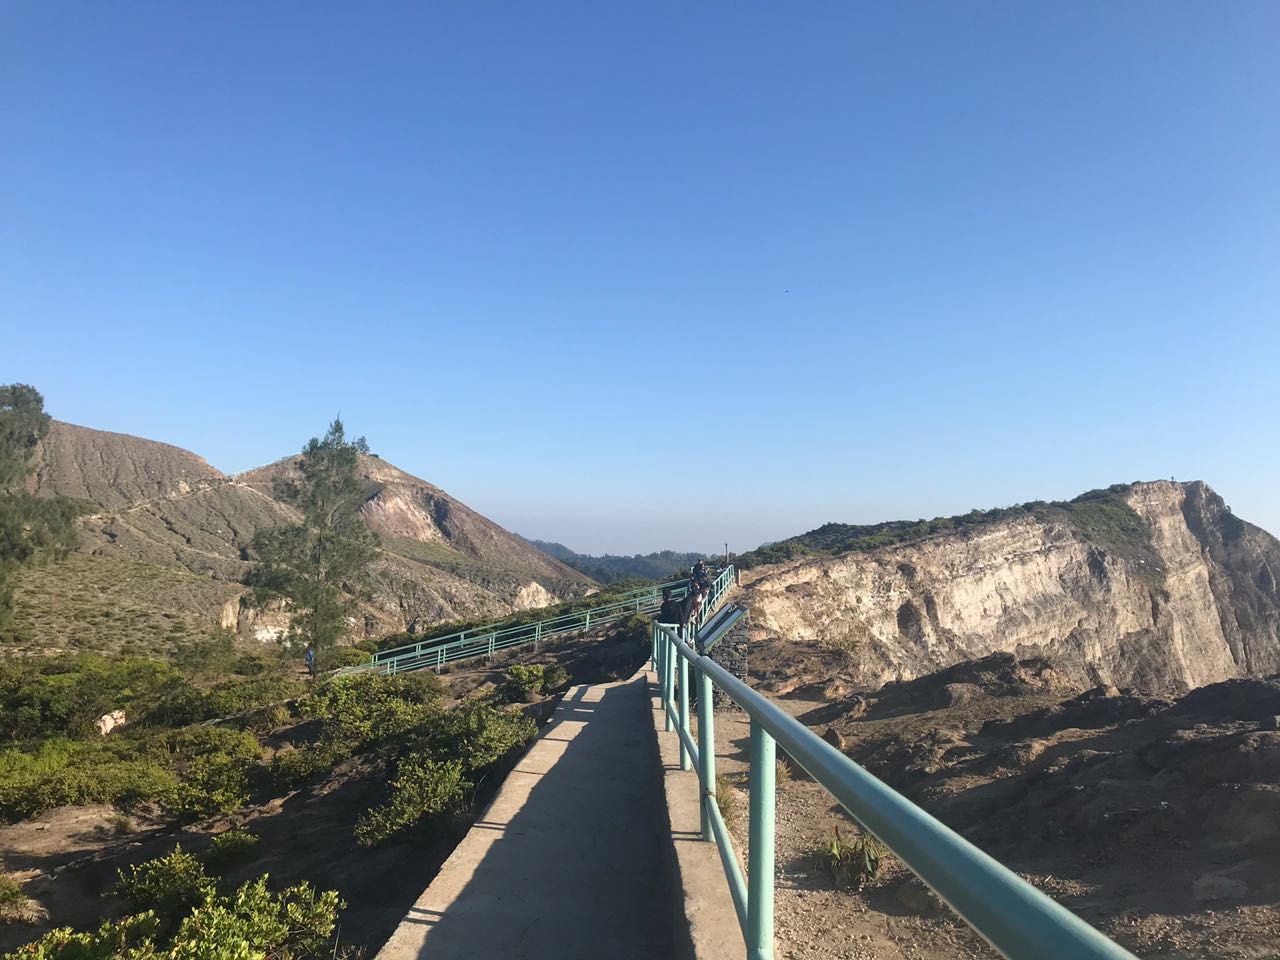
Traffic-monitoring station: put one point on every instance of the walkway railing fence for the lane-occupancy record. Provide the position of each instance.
(1018, 920)
(485, 641)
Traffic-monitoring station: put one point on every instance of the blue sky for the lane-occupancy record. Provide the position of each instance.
(663, 274)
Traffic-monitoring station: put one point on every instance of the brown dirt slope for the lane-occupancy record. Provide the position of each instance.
(1155, 818)
(170, 536)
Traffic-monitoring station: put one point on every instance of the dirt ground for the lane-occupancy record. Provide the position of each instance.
(1156, 820)
(68, 859)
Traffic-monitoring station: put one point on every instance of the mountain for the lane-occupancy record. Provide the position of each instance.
(609, 568)
(1155, 586)
(165, 548)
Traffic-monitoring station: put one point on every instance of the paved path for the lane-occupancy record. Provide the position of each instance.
(569, 861)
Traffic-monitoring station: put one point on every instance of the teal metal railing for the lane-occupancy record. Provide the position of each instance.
(1014, 917)
(435, 652)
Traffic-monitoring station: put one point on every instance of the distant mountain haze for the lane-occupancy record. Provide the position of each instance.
(663, 565)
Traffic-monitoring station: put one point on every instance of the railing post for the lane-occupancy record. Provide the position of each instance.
(686, 761)
(588, 618)
(760, 851)
(668, 680)
(706, 752)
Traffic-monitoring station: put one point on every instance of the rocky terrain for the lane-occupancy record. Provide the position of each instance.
(1155, 818)
(1155, 586)
(167, 539)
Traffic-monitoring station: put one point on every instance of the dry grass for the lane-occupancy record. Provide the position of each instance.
(103, 603)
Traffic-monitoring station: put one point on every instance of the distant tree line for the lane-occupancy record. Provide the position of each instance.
(663, 565)
(1100, 516)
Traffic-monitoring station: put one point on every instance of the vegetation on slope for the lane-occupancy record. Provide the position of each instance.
(179, 911)
(322, 563)
(1100, 516)
(31, 528)
(168, 757)
(663, 565)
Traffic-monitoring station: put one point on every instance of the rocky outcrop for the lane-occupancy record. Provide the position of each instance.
(1196, 605)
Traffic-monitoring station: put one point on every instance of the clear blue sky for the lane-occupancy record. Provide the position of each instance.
(661, 274)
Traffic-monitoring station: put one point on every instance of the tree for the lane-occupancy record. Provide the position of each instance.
(322, 563)
(31, 528)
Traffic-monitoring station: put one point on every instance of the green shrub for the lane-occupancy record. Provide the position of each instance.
(15, 906)
(477, 734)
(239, 696)
(295, 768)
(61, 772)
(129, 939)
(251, 924)
(295, 923)
(423, 787)
(64, 696)
(335, 658)
(214, 765)
(363, 707)
(170, 886)
(852, 864)
(554, 677)
(232, 847)
(524, 682)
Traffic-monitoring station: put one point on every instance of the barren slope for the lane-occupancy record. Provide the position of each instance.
(167, 545)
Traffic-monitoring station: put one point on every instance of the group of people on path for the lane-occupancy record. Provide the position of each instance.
(686, 609)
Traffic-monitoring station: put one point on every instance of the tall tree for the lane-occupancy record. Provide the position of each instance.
(31, 528)
(322, 563)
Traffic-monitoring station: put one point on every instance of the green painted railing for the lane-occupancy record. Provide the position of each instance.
(1014, 917)
(487, 640)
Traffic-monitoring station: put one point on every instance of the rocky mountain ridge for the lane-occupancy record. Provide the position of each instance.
(163, 521)
(1192, 601)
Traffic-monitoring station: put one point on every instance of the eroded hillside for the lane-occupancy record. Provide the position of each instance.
(166, 546)
(1162, 590)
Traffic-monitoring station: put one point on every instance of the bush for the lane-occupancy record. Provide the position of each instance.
(232, 847)
(852, 864)
(477, 734)
(362, 707)
(295, 923)
(214, 765)
(251, 924)
(171, 887)
(240, 696)
(524, 682)
(120, 771)
(64, 696)
(423, 787)
(335, 658)
(554, 677)
(295, 768)
(15, 906)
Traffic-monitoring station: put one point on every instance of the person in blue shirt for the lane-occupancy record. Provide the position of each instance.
(311, 659)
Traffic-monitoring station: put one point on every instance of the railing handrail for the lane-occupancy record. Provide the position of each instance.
(489, 639)
(1016, 918)
(498, 628)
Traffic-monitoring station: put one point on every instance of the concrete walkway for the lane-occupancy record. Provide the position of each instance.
(570, 861)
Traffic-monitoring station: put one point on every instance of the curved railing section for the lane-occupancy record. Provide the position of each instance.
(1014, 917)
(485, 641)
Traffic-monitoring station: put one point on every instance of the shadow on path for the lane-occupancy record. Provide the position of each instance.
(569, 861)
